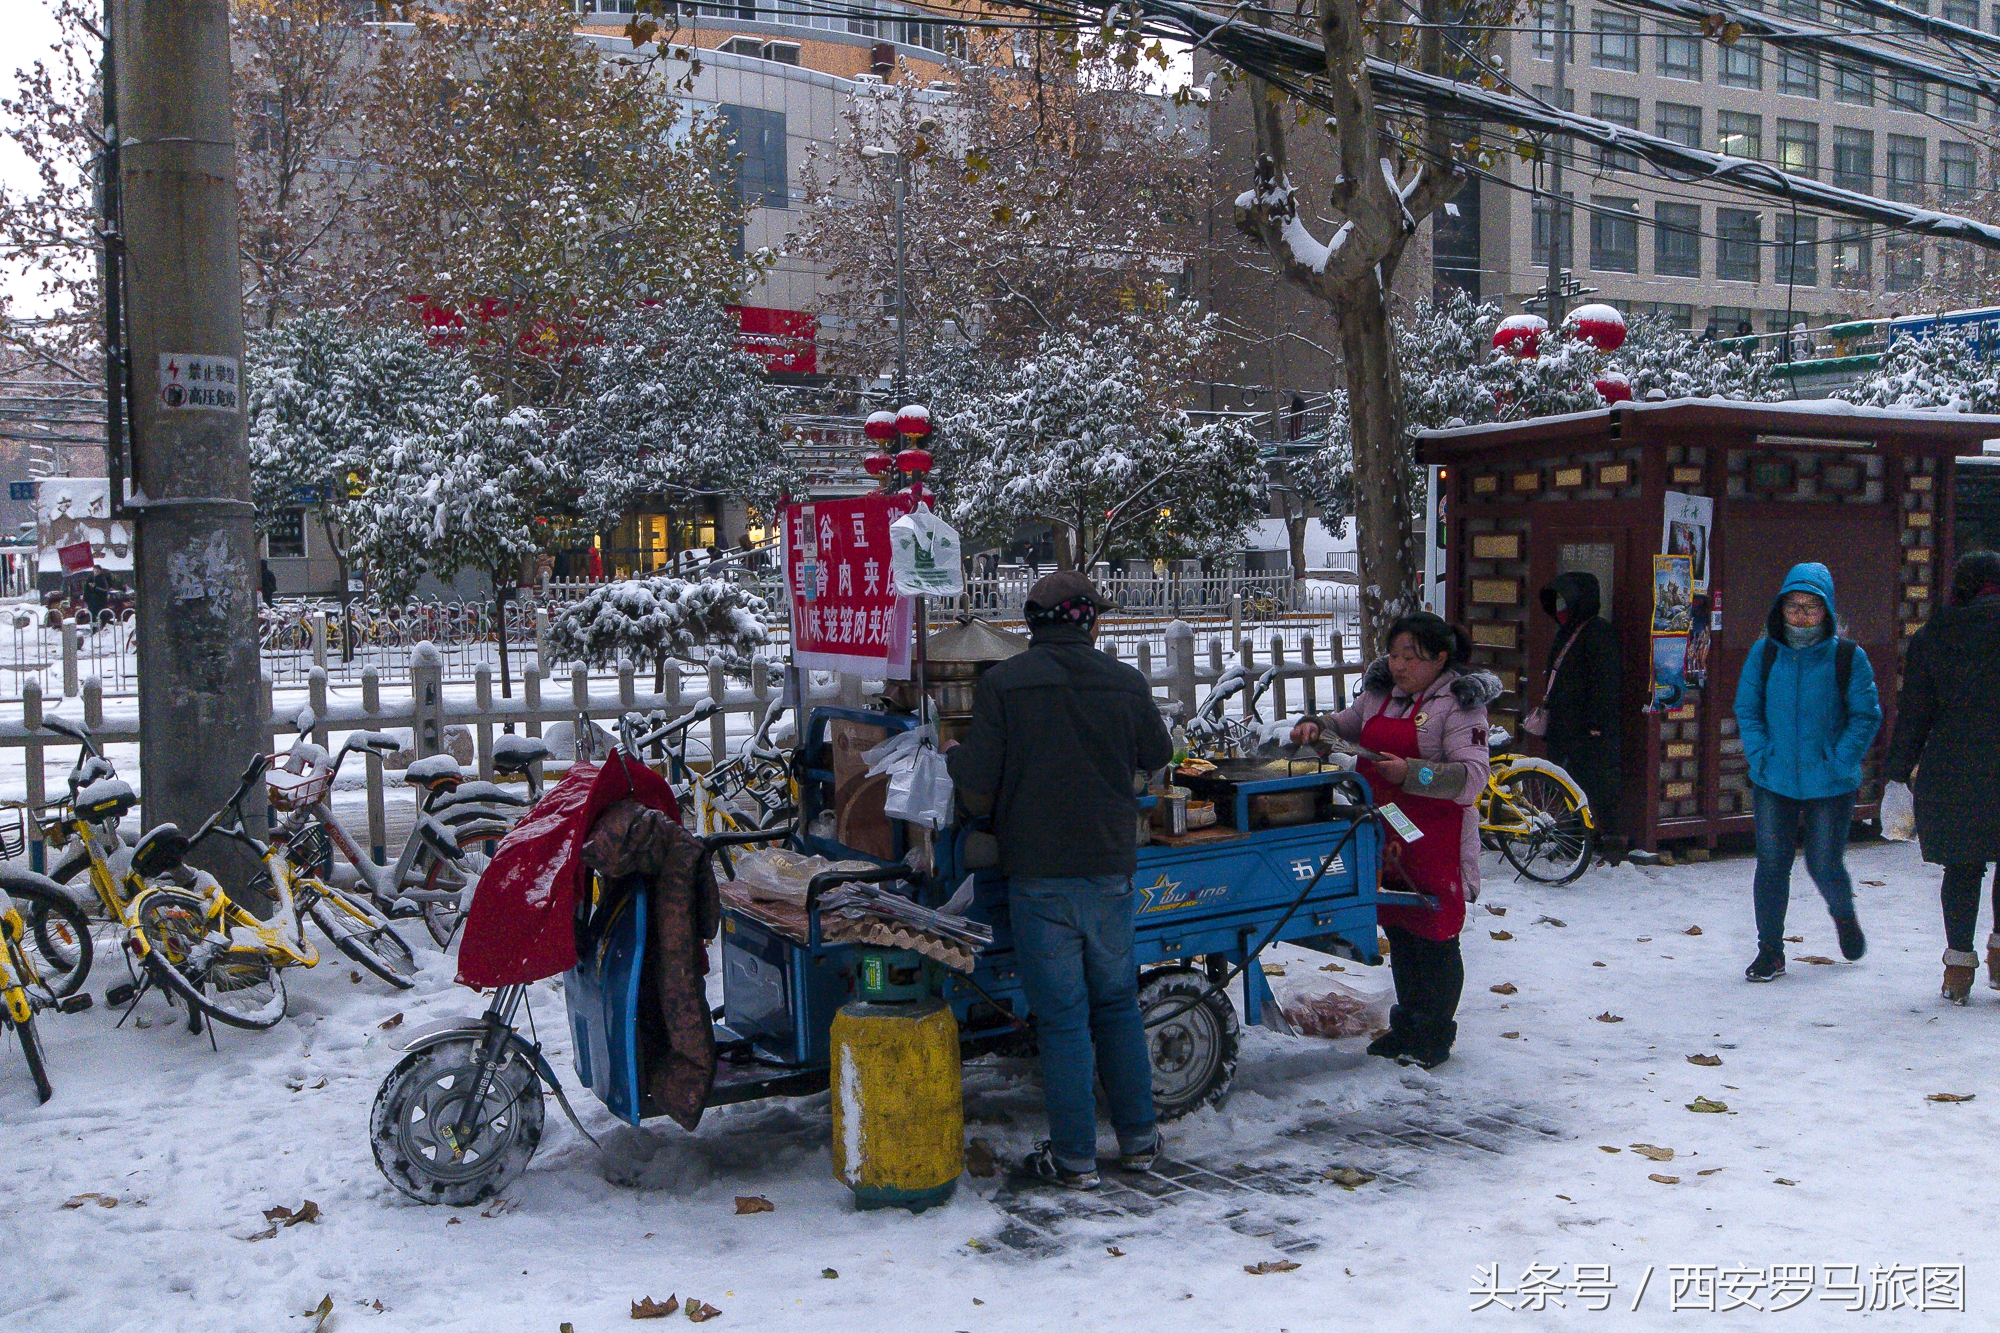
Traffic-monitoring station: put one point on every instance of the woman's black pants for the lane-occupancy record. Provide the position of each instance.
(1960, 896)
(1430, 975)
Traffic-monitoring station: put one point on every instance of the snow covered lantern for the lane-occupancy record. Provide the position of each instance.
(881, 428)
(1600, 325)
(1520, 334)
(914, 422)
(1615, 387)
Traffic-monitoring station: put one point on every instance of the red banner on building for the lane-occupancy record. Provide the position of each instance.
(845, 612)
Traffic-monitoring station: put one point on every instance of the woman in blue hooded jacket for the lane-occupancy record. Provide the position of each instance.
(1804, 736)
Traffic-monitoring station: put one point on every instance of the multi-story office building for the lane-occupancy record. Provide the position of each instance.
(1651, 245)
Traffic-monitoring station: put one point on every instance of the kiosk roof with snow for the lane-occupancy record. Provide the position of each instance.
(1754, 488)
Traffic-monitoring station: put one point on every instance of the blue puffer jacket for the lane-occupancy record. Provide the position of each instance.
(1800, 741)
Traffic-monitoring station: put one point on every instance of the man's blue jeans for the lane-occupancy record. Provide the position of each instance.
(1782, 825)
(1073, 939)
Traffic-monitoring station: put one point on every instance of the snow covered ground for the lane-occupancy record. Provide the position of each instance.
(1828, 1155)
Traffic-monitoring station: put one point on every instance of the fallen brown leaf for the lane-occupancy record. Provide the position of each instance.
(500, 1208)
(322, 1312)
(1511, 1036)
(278, 1214)
(1114, 1252)
(1496, 911)
(829, 1272)
(1709, 1172)
(1506, 988)
(354, 975)
(1707, 1107)
(1653, 1152)
(1500, 934)
(980, 1159)
(1273, 969)
(392, 1021)
(1875, 883)
(1950, 1097)
(1608, 1017)
(1664, 1180)
(317, 1086)
(1565, 1198)
(1782, 1181)
(1332, 967)
(1269, 1266)
(1600, 964)
(101, 1200)
(1709, 1060)
(1692, 930)
(699, 1312)
(648, 1308)
(1820, 959)
(1795, 939)
(1347, 1177)
(754, 1203)
(265, 1234)
(1605, 1147)
(1645, 939)
(451, 1221)
(1550, 921)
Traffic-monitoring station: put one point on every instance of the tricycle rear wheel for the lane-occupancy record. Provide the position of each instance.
(1191, 1036)
(422, 1099)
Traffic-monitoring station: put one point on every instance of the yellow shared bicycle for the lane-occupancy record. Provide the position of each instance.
(1533, 812)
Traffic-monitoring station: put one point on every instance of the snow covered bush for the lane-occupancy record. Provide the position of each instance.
(651, 620)
(1943, 371)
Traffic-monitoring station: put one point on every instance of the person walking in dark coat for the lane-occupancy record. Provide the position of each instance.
(1807, 711)
(1581, 696)
(1948, 734)
(1057, 733)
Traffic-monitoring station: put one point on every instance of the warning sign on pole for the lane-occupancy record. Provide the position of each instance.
(196, 382)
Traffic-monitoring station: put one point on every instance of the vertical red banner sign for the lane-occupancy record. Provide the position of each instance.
(845, 612)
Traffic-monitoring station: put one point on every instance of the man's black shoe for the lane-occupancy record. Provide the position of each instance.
(1852, 942)
(1041, 1166)
(1769, 965)
(1393, 1044)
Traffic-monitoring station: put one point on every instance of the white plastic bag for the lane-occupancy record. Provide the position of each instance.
(921, 792)
(1899, 812)
(924, 555)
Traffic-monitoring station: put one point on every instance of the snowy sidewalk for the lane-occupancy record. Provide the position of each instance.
(1829, 1154)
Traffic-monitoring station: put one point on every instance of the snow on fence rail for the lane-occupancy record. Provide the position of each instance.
(427, 711)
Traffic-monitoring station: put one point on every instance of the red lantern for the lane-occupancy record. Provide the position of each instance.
(880, 426)
(876, 464)
(914, 421)
(1615, 388)
(914, 460)
(1600, 325)
(1520, 334)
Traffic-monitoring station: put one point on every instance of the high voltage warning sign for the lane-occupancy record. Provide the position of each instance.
(191, 382)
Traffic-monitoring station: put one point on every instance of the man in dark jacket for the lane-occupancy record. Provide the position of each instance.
(1584, 718)
(1057, 734)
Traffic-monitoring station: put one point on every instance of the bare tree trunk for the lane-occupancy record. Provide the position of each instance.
(1382, 529)
(1295, 537)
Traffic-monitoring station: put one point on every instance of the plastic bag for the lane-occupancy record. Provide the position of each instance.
(921, 793)
(1899, 812)
(1319, 1005)
(924, 555)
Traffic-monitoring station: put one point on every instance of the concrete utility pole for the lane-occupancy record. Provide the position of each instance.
(199, 695)
(1558, 206)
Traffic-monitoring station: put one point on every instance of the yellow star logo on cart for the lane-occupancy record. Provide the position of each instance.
(1163, 888)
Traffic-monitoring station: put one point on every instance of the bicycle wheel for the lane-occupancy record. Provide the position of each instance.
(1552, 844)
(58, 944)
(412, 1126)
(38, 1065)
(239, 987)
(448, 887)
(364, 935)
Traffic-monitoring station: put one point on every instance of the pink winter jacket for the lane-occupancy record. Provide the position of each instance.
(1453, 731)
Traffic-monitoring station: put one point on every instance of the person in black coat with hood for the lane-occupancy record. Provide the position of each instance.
(1582, 700)
(1948, 732)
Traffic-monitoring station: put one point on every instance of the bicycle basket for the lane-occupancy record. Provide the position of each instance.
(293, 791)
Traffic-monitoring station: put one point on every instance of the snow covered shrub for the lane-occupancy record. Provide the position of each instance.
(1943, 371)
(650, 620)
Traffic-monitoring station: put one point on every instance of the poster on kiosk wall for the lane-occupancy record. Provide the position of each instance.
(846, 615)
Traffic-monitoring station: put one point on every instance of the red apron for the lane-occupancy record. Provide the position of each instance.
(1430, 864)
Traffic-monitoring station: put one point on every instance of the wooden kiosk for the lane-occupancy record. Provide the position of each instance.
(1867, 492)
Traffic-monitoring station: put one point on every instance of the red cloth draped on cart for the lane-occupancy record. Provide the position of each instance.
(522, 924)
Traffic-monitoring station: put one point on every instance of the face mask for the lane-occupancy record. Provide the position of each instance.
(1804, 636)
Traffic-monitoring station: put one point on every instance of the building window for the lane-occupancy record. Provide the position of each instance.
(759, 149)
(1962, 12)
(784, 53)
(1679, 122)
(1743, 64)
(1854, 160)
(1798, 73)
(1958, 104)
(1739, 235)
(1739, 134)
(1909, 95)
(1798, 250)
(1547, 95)
(1678, 51)
(1731, 321)
(1852, 256)
(1677, 316)
(1614, 235)
(1614, 41)
(1957, 164)
(1546, 24)
(1540, 247)
(1618, 111)
(1853, 85)
(1904, 257)
(1906, 168)
(287, 538)
(1798, 147)
(1677, 240)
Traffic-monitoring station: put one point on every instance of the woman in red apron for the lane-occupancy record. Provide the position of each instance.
(1423, 710)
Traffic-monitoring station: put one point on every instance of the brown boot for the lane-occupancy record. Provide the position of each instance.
(1993, 961)
(1960, 967)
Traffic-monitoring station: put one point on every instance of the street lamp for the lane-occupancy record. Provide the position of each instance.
(872, 153)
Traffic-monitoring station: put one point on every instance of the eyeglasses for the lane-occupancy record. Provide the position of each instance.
(1803, 607)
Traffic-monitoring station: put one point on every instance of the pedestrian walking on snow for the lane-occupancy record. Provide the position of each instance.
(1948, 734)
(1807, 711)
(1580, 696)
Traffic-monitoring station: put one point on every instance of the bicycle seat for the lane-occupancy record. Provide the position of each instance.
(439, 772)
(371, 740)
(106, 798)
(162, 849)
(516, 754)
(476, 793)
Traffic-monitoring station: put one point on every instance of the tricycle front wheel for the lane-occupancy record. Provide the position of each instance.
(1192, 1035)
(414, 1126)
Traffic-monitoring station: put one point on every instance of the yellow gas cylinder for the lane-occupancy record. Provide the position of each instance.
(898, 1114)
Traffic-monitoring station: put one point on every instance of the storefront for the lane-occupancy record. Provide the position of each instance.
(1689, 512)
